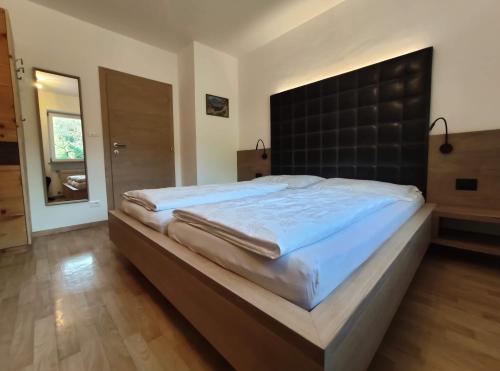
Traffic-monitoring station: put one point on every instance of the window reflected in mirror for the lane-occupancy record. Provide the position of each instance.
(61, 137)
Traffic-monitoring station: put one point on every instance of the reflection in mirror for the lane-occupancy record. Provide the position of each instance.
(61, 137)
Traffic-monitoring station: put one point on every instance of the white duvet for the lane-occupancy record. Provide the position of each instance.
(158, 220)
(177, 197)
(276, 224)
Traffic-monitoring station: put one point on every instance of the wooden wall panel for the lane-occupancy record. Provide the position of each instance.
(12, 217)
(4, 45)
(8, 129)
(4, 74)
(250, 162)
(3, 24)
(13, 226)
(475, 155)
(6, 99)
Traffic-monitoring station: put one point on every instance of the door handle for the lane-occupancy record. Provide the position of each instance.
(119, 145)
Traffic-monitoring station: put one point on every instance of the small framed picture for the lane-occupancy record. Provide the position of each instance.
(217, 106)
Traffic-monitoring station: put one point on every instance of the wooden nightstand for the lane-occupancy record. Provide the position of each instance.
(467, 229)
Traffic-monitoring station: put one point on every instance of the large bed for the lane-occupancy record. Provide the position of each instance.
(312, 308)
(325, 306)
(255, 328)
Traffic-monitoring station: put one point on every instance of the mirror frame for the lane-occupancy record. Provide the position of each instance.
(42, 159)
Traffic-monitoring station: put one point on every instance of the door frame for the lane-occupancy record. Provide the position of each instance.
(103, 89)
(106, 137)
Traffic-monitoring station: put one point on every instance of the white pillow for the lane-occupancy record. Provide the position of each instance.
(402, 192)
(293, 181)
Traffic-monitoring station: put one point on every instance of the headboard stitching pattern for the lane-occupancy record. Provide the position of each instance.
(370, 123)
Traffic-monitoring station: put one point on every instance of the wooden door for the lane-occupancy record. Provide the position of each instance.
(138, 133)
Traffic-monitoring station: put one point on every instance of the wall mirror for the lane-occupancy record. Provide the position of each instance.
(62, 139)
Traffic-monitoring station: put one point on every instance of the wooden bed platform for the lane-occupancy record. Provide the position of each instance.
(255, 329)
(73, 193)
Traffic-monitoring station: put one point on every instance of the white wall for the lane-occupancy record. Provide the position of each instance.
(209, 143)
(215, 73)
(50, 40)
(357, 33)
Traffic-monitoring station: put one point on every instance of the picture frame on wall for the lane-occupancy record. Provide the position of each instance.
(217, 106)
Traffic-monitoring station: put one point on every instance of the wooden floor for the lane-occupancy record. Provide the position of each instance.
(72, 303)
(449, 319)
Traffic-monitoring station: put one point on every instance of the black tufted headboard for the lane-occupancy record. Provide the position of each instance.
(371, 123)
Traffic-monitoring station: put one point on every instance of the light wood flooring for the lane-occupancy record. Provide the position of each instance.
(449, 319)
(72, 303)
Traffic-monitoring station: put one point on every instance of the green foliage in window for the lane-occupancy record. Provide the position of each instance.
(68, 138)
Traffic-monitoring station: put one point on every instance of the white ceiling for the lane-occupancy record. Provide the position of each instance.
(57, 83)
(233, 26)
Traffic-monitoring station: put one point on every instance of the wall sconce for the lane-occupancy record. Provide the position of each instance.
(264, 155)
(446, 147)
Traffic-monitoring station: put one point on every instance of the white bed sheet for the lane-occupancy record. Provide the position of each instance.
(158, 220)
(308, 275)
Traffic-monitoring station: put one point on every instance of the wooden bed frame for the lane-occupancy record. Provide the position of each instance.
(255, 329)
(73, 193)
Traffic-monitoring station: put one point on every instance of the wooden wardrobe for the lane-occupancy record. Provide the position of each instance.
(14, 221)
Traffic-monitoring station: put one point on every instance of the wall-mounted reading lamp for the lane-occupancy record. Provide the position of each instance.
(446, 147)
(264, 155)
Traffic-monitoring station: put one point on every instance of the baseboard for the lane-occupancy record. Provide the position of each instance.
(49, 232)
(15, 249)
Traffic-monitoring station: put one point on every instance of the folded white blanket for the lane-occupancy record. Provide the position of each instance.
(157, 220)
(77, 185)
(177, 197)
(276, 224)
(78, 178)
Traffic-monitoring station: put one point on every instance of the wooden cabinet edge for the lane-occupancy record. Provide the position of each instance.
(18, 121)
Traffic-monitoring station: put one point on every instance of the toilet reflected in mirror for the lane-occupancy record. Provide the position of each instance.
(61, 137)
